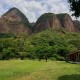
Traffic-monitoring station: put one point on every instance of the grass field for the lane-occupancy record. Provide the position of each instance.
(38, 70)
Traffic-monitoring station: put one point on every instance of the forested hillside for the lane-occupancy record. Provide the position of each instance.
(49, 44)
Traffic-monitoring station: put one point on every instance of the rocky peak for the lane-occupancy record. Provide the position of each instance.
(45, 21)
(14, 21)
(15, 14)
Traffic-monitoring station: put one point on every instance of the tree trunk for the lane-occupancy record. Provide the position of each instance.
(46, 59)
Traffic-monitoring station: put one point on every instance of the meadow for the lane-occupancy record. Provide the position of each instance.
(38, 70)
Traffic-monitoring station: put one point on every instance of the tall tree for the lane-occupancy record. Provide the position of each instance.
(75, 7)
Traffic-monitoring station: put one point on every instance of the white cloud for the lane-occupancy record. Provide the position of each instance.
(34, 8)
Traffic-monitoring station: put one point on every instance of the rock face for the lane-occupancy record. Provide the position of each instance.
(45, 21)
(77, 25)
(66, 22)
(14, 21)
(56, 21)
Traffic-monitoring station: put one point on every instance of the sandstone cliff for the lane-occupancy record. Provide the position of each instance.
(66, 22)
(14, 21)
(45, 21)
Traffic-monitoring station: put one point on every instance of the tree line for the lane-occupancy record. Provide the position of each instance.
(49, 44)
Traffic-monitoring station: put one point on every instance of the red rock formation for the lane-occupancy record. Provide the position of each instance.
(14, 21)
(45, 21)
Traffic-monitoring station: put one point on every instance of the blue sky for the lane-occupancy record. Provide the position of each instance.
(34, 8)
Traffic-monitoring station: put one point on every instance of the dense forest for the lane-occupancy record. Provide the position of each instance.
(49, 44)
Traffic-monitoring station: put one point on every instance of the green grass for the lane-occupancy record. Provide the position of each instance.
(35, 70)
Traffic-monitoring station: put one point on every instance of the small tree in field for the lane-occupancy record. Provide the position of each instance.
(22, 55)
(43, 52)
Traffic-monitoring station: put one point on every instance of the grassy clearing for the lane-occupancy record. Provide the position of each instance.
(35, 70)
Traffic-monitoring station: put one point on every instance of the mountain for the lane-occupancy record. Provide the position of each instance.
(45, 21)
(15, 22)
(56, 21)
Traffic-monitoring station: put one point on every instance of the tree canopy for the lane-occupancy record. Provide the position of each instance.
(49, 44)
(75, 7)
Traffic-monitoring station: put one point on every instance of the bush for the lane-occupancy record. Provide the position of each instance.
(22, 55)
(58, 57)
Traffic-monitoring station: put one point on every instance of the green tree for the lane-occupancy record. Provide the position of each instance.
(43, 52)
(22, 55)
(75, 7)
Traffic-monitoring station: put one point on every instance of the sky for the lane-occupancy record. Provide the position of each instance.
(33, 9)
